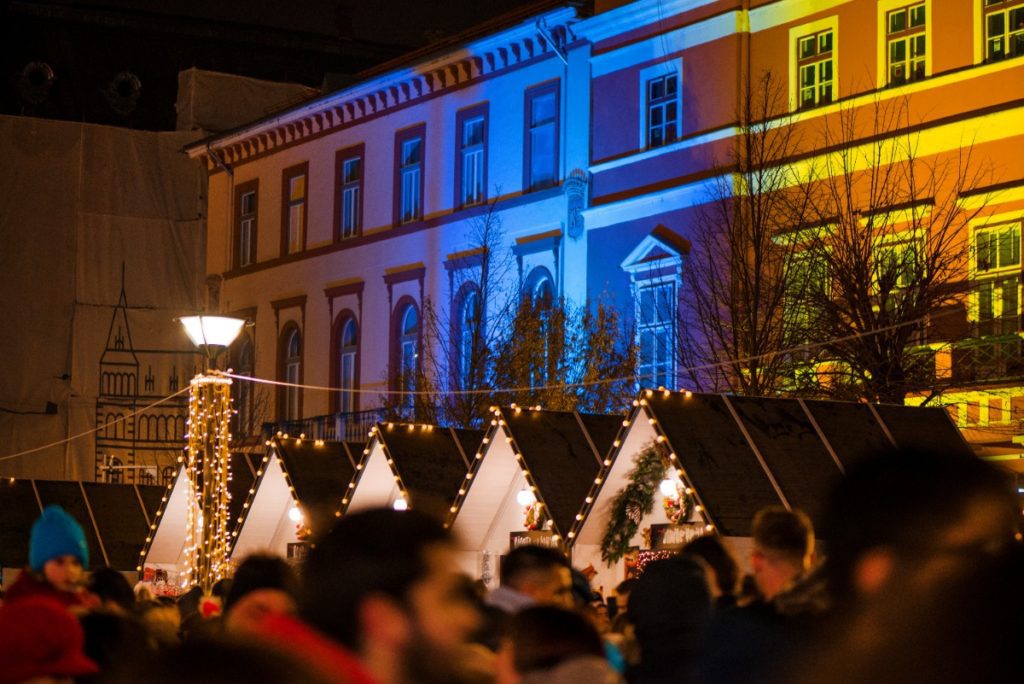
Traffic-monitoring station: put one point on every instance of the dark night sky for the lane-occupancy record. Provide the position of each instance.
(405, 22)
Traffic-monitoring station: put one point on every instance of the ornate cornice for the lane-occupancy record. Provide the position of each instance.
(397, 88)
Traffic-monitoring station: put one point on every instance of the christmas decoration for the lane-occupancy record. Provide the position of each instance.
(632, 502)
(208, 467)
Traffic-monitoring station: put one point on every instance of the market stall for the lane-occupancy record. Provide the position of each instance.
(526, 483)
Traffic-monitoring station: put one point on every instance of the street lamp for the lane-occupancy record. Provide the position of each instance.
(208, 458)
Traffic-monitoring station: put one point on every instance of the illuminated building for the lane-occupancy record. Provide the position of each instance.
(332, 222)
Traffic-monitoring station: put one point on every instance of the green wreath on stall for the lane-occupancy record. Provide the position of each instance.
(632, 502)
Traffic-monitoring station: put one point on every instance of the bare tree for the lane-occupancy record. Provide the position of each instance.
(743, 272)
(890, 238)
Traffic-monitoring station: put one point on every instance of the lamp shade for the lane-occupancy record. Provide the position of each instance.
(212, 331)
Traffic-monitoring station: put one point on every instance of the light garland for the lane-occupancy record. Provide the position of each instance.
(208, 470)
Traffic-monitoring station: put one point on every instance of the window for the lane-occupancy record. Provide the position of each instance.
(292, 374)
(351, 186)
(115, 471)
(167, 475)
(662, 109)
(541, 137)
(898, 264)
(815, 68)
(348, 349)
(1004, 29)
(807, 281)
(656, 312)
(409, 175)
(408, 353)
(245, 224)
(472, 157)
(294, 232)
(242, 362)
(469, 334)
(906, 44)
(540, 296)
(997, 273)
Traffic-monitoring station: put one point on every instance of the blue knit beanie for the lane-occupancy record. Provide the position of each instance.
(55, 534)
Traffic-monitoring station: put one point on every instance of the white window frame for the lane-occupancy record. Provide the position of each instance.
(351, 190)
(801, 31)
(408, 354)
(246, 227)
(472, 160)
(296, 212)
(982, 37)
(411, 201)
(997, 275)
(292, 375)
(884, 8)
(668, 68)
(532, 129)
(659, 327)
(348, 356)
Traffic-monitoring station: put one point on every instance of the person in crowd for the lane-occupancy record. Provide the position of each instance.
(226, 660)
(621, 596)
(381, 601)
(670, 609)
(113, 590)
(753, 640)
(118, 643)
(783, 549)
(57, 558)
(551, 644)
(263, 585)
(40, 643)
(531, 575)
(724, 570)
(162, 622)
(923, 569)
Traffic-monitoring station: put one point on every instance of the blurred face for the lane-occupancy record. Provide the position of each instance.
(64, 572)
(246, 615)
(550, 587)
(443, 613)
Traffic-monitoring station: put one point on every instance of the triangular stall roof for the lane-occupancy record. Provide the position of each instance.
(294, 496)
(114, 517)
(424, 465)
(167, 509)
(738, 454)
(556, 454)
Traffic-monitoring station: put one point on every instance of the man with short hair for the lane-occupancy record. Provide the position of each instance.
(381, 602)
(783, 548)
(533, 575)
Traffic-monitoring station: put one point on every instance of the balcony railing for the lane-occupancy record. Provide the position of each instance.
(347, 427)
(996, 352)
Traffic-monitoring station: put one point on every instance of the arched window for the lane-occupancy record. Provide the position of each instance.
(540, 290)
(408, 343)
(348, 350)
(469, 334)
(289, 407)
(167, 475)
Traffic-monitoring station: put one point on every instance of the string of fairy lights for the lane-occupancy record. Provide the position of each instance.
(638, 378)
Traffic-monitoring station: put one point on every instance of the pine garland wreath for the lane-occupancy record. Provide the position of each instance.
(632, 502)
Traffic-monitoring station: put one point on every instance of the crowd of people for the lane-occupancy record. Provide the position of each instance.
(920, 579)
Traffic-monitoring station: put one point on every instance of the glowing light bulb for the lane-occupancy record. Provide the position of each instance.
(668, 487)
(400, 504)
(526, 497)
(294, 514)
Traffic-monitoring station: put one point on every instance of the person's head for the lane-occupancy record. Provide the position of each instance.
(622, 591)
(57, 549)
(540, 573)
(113, 590)
(384, 583)
(724, 569)
(263, 585)
(541, 637)
(40, 641)
(783, 548)
(914, 515)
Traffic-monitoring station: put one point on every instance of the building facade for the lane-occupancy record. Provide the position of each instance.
(593, 138)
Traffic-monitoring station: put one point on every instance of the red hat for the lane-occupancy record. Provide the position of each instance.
(39, 638)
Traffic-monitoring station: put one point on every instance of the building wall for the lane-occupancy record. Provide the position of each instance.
(635, 185)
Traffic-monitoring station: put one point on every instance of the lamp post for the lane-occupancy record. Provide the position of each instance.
(207, 457)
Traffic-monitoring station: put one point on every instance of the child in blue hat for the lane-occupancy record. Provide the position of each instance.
(57, 557)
